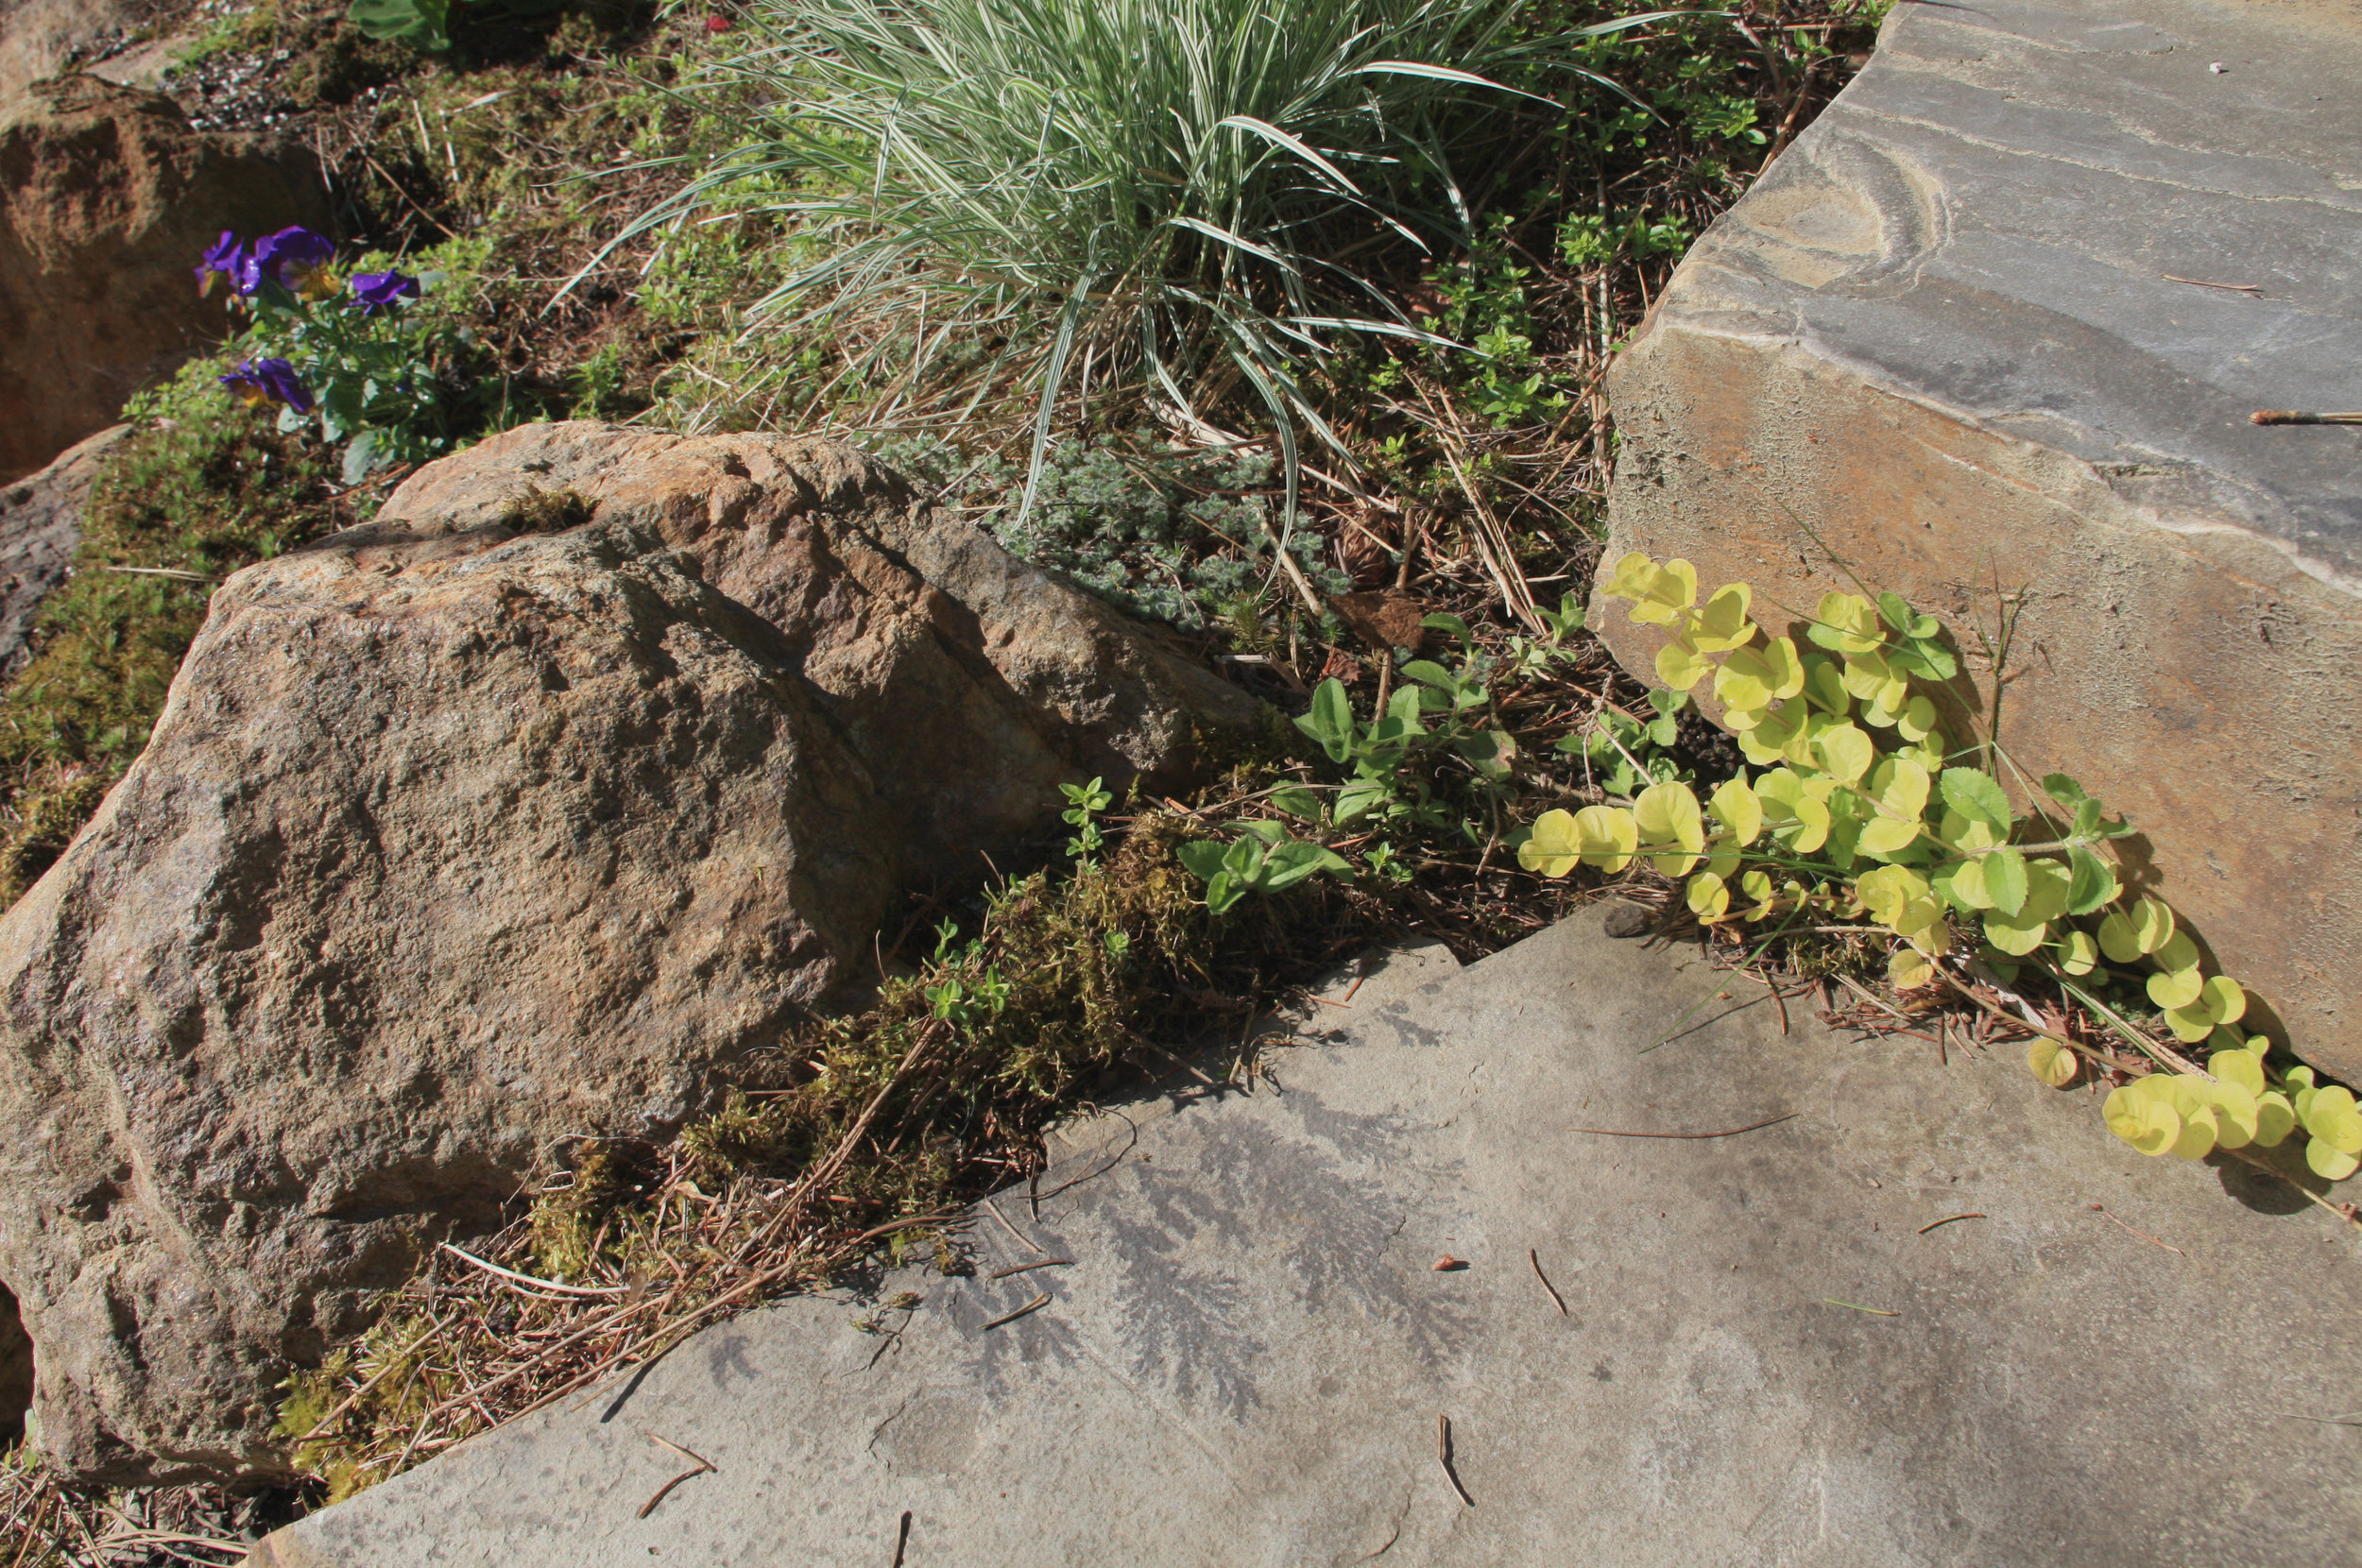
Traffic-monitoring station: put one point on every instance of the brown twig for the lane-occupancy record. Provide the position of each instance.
(2142, 1235)
(1442, 1458)
(1035, 1305)
(1534, 1257)
(1029, 1268)
(2201, 282)
(701, 1463)
(1947, 1219)
(1613, 1132)
(2290, 417)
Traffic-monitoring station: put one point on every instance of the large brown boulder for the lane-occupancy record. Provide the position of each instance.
(106, 199)
(524, 813)
(1952, 333)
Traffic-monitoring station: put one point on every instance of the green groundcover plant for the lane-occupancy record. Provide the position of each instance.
(1864, 809)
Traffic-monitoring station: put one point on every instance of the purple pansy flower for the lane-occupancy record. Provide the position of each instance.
(260, 381)
(295, 257)
(226, 258)
(378, 289)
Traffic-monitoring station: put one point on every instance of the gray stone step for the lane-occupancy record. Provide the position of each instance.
(1248, 1358)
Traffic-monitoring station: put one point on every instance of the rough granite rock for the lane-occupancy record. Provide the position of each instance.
(41, 527)
(1945, 330)
(107, 199)
(454, 842)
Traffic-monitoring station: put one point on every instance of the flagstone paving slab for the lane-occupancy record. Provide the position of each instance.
(1764, 1356)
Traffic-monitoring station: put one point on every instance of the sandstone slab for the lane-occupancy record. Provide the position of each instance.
(1246, 1358)
(1949, 329)
(527, 813)
(107, 197)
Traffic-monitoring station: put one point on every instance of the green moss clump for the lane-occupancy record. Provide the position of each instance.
(180, 505)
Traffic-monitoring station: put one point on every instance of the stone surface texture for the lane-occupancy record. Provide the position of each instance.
(112, 37)
(41, 527)
(1247, 1358)
(107, 199)
(1941, 331)
(454, 841)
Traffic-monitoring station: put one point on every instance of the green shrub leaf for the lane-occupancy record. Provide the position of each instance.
(2005, 878)
(1975, 795)
(2094, 886)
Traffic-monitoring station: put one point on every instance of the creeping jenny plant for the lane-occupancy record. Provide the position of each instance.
(1860, 808)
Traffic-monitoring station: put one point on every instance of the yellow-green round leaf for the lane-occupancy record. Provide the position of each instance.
(1669, 590)
(2178, 989)
(1774, 668)
(1917, 720)
(1845, 753)
(2199, 1131)
(1866, 675)
(1553, 848)
(1680, 666)
(1634, 572)
(2225, 1002)
(2016, 934)
(1884, 836)
(2175, 953)
(1668, 814)
(1721, 621)
(1765, 742)
(1907, 970)
(1900, 786)
(2141, 1119)
(1887, 892)
(1708, 897)
(1854, 619)
(2119, 938)
(2078, 953)
(2332, 1165)
(1824, 687)
(2051, 1062)
(1968, 884)
(2332, 1118)
(2189, 1024)
(1737, 810)
(2152, 923)
(2275, 1118)
(2237, 1066)
(1739, 686)
(2234, 1116)
(1605, 837)
(1812, 825)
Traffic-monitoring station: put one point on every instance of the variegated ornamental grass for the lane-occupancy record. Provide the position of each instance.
(1007, 198)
